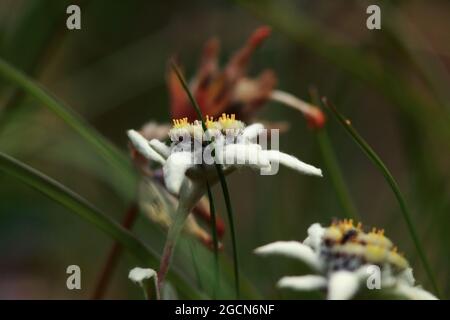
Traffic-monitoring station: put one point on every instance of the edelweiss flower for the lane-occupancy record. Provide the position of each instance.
(346, 260)
(217, 91)
(189, 163)
(234, 146)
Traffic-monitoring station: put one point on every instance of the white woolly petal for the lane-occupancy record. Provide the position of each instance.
(303, 283)
(413, 293)
(251, 132)
(138, 275)
(292, 162)
(160, 147)
(315, 235)
(242, 155)
(407, 276)
(175, 170)
(342, 285)
(291, 249)
(142, 146)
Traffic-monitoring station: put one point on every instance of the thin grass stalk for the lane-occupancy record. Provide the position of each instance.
(222, 179)
(370, 153)
(212, 210)
(226, 194)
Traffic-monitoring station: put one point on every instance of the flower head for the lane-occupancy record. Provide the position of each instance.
(344, 256)
(191, 157)
(189, 164)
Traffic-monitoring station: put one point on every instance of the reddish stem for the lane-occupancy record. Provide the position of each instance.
(114, 255)
(165, 263)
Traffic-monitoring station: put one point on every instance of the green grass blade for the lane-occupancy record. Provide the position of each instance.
(370, 153)
(48, 25)
(189, 93)
(49, 30)
(85, 210)
(222, 179)
(102, 146)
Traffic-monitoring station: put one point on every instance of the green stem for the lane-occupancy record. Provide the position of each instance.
(226, 194)
(212, 211)
(393, 185)
(190, 194)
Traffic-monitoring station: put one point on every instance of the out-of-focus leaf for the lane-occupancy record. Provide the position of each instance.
(311, 35)
(85, 210)
(25, 40)
(120, 164)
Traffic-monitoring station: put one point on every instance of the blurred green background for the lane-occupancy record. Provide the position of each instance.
(393, 84)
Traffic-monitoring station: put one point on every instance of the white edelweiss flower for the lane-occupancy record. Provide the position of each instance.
(189, 164)
(345, 258)
(242, 151)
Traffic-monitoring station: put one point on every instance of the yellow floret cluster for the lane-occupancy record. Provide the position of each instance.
(345, 240)
(226, 123)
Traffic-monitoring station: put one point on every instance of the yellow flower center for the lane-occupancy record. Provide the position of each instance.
(346, 239)
(224, 122)
(212, 124)
(227, 122)
(180, 123)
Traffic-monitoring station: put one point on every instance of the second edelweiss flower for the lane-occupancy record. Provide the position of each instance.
(344, 257)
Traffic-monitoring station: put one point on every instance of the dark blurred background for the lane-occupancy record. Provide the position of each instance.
(392, 83)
